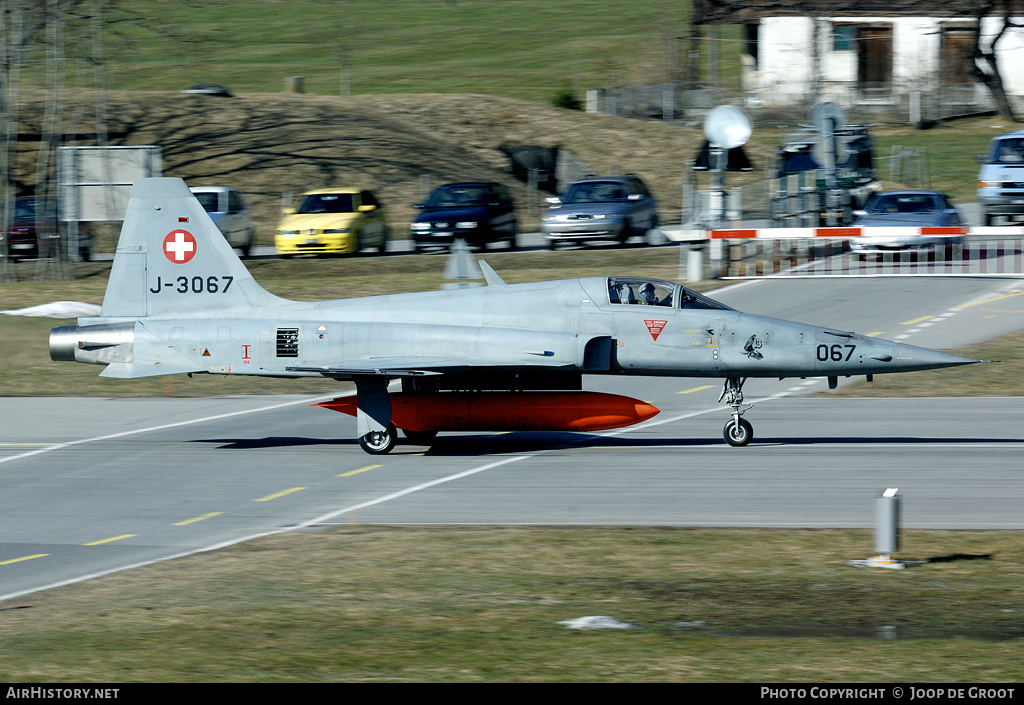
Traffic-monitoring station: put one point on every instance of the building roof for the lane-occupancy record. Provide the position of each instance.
(746, 11)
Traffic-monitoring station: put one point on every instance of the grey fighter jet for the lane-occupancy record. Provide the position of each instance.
(499, 357)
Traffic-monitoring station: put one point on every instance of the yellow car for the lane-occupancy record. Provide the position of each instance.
(332, 220)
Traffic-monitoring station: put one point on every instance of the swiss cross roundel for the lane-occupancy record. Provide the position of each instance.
(180, 246)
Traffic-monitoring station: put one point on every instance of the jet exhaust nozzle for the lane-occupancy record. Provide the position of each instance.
(100, 344)
(63, 343)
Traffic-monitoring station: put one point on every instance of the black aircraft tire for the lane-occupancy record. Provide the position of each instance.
(379, 442)
(420, 438)
(738, 435)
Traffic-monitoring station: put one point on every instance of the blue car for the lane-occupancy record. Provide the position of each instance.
(907, 209)
(480, 213)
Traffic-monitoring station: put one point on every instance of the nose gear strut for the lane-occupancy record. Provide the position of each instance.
(737, 431)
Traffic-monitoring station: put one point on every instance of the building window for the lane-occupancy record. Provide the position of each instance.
(750, 46)
(844, 37)
(874, 58)
(956, 57)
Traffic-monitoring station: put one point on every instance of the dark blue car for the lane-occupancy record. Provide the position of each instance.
(480, 213)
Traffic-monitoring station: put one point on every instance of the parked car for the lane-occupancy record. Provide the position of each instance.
(1001, 178)
(230, 212)
(478, 212)
(332, 220)
(605, 208)
(34, 217)
(905, 209)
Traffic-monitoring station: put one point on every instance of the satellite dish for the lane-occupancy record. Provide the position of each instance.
(727, 127)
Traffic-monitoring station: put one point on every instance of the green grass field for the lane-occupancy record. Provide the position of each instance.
(524, 49)
(483, 604)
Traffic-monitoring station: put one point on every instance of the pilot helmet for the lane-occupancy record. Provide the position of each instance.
(647, 293)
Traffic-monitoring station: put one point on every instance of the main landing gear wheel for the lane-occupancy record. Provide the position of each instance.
(738, 432)
(379, 442)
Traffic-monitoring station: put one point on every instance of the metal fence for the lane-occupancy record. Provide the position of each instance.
(833, 257)
(892, 103)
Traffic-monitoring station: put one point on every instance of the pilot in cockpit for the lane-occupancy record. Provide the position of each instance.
(647, 295)
(624, 293)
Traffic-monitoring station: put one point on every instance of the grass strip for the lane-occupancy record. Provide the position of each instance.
(437, 604)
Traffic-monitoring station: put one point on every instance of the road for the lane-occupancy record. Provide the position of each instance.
(526, 241)
(89, 486)
(970, 212)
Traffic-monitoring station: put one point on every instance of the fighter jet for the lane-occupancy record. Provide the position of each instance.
(498, 357)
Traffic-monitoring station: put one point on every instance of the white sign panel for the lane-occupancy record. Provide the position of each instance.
(95, 182)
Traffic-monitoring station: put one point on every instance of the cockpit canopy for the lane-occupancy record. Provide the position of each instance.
(655, 292)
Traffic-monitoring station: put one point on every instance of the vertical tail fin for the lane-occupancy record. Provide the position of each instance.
(171, 259)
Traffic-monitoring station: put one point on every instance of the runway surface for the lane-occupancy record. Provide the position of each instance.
(89, 486)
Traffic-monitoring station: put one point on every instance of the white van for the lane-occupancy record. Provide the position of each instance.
(1001, 178)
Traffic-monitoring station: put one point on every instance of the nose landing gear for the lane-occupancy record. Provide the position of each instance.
(738, 431)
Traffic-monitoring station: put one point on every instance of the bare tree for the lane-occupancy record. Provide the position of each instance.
(986, 69)
(21, 21)
(34, 32)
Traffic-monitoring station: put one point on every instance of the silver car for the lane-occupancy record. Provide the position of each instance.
(230, 212)
(605, 208)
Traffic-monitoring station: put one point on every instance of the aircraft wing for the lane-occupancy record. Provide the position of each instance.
(419, 366)
(130, 370)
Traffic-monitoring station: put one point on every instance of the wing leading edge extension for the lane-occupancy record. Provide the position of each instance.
(418, 366)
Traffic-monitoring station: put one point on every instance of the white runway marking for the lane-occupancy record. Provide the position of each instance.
(58, 446)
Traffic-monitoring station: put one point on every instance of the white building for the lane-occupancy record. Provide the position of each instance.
(869, 52)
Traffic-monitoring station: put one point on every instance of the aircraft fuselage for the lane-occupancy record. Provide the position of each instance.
(568, 326)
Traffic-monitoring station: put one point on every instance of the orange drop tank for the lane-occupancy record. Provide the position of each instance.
(508, 411)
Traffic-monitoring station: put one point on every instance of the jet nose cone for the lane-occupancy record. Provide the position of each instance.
(910, 357)
(645, 411)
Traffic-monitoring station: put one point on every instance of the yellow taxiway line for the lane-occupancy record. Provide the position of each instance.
(282, 493)
(112, 538)
(350, 473)
(195, 519)
(23, 558)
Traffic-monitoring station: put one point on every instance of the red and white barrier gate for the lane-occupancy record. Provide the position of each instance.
(876, 251)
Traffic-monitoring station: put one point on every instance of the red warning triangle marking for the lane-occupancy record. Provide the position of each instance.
(206, 352)
(655, 327)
